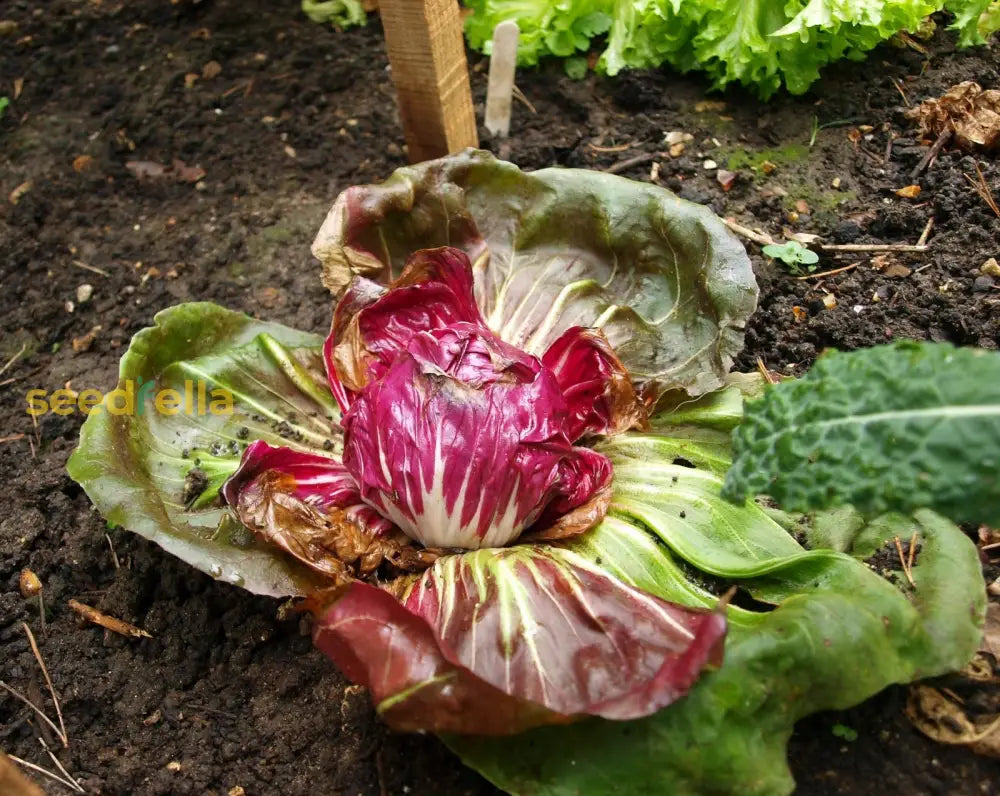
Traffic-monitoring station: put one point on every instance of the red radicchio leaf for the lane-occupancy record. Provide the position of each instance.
(597, 387)
(460, 443)
(372, 325)
(553, 634)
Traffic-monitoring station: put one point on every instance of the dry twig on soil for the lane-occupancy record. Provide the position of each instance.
(86, 267)
(638, 160)
(13, 359)
(872, 247)
(108, 622)
(922, 240)
(982, 188)
(846, 268)
(48, 681)
(71, 784)
(932, 153)
(903, 563)
(749, 234)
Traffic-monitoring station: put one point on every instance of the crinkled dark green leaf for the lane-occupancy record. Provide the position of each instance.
(556, 248)
(839, 632)
(890, 428)
(159, 475)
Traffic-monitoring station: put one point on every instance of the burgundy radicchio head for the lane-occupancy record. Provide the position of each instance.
(457, 437)
(456, 441)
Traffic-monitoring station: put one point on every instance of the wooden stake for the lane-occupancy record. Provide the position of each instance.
(431, 75)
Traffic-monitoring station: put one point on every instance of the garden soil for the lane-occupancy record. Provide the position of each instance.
(280, 114)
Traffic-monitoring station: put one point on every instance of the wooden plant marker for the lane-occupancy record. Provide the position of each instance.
(503, 63)
(431, 75)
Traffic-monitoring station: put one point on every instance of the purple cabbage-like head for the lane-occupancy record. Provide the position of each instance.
(458, 438)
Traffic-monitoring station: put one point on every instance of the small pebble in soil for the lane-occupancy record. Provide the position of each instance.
(693, 194)
(83, 293)
(846, 232)
(982, 284)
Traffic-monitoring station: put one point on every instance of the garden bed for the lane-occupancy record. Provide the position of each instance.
(226, 694)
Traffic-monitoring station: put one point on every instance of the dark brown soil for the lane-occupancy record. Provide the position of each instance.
(226, 694)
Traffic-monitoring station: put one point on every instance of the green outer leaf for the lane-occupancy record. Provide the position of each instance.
(555, 248)
(133, 466)
(822, 650)
(840, 632)
(890, 428)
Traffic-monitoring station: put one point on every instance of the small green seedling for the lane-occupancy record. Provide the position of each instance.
(794, 255)
(843, 731)
(4, 102)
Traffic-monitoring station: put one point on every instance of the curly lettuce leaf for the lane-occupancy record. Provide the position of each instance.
(975, 20)
(341, 13)
(552, 249)
(559, 28)
(762, 44)
(159, 474)
(889, 428)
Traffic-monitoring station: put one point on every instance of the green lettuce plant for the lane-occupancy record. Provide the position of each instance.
(762, 44)
(582, 326)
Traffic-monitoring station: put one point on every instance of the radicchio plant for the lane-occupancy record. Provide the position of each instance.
(456, 441)
(496, 417)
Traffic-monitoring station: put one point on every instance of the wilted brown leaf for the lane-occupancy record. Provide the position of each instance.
(82, 163)
(942, 718)
(909, 192)
(190, 79)
(12, 782)
(897, 271)
(18, 86)
(211, 69)
(331, 542)
(83, 343)
(971, 113)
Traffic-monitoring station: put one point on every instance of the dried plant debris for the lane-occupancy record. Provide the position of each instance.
(972, 114)
(964, 708)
